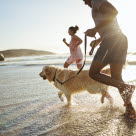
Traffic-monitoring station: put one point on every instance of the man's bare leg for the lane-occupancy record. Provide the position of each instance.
(94, 73)
(130, 112)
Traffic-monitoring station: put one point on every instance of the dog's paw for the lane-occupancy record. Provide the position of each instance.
(111, 101)
(110, 108)
(61, 98)
(102, 100)
(74, 104)
(68, 105)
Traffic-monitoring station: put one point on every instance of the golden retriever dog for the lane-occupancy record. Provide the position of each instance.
(78, 84)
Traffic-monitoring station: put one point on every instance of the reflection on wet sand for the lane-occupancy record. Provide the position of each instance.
(31, 107)
(53, 118)
(85, 122)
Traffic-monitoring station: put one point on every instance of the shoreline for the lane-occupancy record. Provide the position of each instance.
(30, 105)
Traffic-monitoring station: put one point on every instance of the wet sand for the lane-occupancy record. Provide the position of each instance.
(30, 106)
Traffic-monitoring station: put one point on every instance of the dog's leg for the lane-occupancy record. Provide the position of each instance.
(68, 96)
(103, 96)
(108, 96)
(60, 93)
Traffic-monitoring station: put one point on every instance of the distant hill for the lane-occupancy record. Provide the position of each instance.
(24, 52)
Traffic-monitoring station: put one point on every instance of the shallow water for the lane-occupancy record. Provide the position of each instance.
(57, 59)
(29, 106)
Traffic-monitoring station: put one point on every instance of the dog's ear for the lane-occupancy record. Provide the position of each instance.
(47, 71)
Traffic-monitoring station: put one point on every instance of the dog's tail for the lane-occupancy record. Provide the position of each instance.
(106, 71)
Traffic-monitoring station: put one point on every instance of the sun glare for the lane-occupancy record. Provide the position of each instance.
(127, 20)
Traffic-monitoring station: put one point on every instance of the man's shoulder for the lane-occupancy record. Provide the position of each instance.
(98, 3)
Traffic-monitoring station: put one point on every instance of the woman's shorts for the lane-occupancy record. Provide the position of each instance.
(112, 50)
(71, 60)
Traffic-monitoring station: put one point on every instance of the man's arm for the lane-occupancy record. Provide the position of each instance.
(108, 10)
(96, 42)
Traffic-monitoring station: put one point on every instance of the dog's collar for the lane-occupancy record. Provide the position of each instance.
(54, 76)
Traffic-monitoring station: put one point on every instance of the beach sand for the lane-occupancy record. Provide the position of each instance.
(29, 106)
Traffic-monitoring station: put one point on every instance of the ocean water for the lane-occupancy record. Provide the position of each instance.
(29, 105)
(57, 59)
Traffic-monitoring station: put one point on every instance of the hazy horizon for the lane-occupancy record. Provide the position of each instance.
(41, 25)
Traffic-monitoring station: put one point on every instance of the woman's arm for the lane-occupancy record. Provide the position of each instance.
(77, 40)
(64, 40)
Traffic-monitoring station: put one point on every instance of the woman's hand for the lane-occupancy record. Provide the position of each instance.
(64, 40)
(91, 32)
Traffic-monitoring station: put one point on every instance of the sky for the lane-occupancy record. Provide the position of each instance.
(42, 24)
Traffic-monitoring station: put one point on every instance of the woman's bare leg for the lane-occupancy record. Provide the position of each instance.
(79, 66)
(95, 74)
(66, 65)
(79, 63)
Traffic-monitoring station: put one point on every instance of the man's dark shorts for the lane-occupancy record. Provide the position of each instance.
(112, 50)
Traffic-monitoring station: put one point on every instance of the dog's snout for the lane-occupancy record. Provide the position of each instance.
(40, 74)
